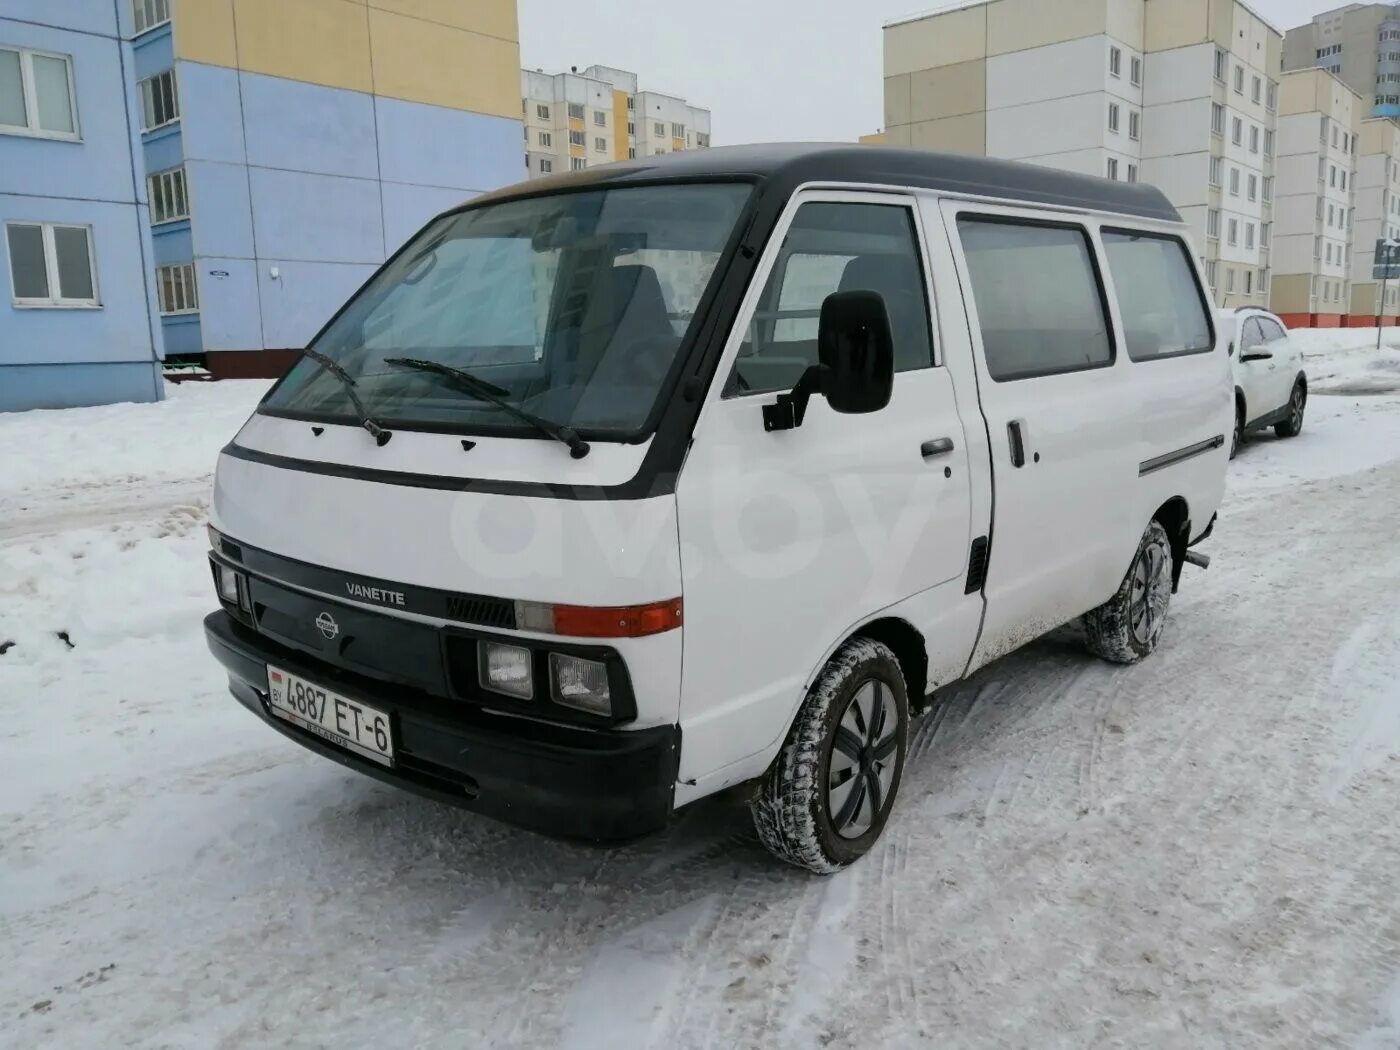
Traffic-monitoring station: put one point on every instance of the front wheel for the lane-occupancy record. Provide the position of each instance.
(826, 798)
(1297, 402)
(1128, 626)
(1237, 437)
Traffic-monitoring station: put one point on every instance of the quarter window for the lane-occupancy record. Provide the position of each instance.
(169, 198)
(176, 287)
(834, 247)
(1039, 303)
(51, 265)
(36, 94)
(160, 102)
(1159, 299)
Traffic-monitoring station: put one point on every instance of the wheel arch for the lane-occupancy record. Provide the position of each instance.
(1241, 405)
(1175, 516)
(908, 646)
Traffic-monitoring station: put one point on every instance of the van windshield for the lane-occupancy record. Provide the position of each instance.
(571, 307)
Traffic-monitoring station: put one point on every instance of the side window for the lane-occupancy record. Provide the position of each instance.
(1252, 335)
(1163, 311)
(1272, 330)
(1039, 301)
(834, 247)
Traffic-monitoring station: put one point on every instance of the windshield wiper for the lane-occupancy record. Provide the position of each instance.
(578, 448)
(381, 434)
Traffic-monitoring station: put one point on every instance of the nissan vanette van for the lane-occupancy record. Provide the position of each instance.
(613, 490)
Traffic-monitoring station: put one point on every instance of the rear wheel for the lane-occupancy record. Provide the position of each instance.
(1128, 626)
(1297, 402)
(826, 798)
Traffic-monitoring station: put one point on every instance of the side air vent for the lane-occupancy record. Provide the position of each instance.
(977, 565)
(480, 609)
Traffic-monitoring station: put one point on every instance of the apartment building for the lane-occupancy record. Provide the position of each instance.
(1376, 204)
(576, 120)
(1360, 43)
(1318, 148)
(289, 148)
(77, 317)
(1180, 93)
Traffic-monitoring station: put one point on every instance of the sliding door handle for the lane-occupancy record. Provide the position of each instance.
(1018, 443)
(936, 447)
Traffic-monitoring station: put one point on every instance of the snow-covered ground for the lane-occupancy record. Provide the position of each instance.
(1199, 851)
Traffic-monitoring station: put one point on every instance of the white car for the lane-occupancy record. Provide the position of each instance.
(1271, 387)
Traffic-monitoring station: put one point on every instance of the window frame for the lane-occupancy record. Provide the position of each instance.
(179, 170)
(773, 258)
(193, 283)
(174, 98)
(1097, 263)
(54, 300)
(1197, 279)
(1135, 71)
(137, 6)
(31, 128)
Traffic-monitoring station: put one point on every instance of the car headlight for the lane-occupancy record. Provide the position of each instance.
(506, 669)
(580, 683)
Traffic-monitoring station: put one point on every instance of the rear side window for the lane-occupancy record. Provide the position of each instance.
(1039, 300)
(834, 247)
(1163, 312)
(1271, 330)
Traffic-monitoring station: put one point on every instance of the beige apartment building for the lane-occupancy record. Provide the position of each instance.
(1314, 199)
(578, 120)
(1179, 93)
(1377, 217)
(1360, 43)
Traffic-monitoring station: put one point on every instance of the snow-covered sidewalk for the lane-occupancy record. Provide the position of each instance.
(1201, 850)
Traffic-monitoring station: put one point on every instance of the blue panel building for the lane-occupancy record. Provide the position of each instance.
(78, 323)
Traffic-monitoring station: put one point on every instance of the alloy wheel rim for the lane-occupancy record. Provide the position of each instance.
(1297, 419)
(863, 753)
(1148, 606)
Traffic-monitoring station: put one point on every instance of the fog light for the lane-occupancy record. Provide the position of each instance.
(579, 683)
(506, 669)
(228, 584)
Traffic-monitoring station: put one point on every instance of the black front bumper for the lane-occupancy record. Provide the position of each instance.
(602, 785)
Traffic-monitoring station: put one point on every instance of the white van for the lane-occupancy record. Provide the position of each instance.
(614, 490)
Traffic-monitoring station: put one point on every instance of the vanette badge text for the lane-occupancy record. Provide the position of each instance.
(375, 594)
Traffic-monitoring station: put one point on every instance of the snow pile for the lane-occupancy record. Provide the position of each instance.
(1346, 361)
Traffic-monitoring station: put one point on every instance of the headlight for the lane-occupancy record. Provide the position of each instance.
(506, 669)
(228, 583)
(581, 684)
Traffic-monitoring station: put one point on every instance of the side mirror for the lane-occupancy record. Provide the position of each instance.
(856, 351)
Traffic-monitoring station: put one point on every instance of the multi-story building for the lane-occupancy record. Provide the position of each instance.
(1180, 93)
(290, 147)
(77, 325)
(1376, 205)
(1360, 43)
(1318, 147)
(575, 120)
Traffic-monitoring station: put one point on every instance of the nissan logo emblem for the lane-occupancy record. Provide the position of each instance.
(326, 624)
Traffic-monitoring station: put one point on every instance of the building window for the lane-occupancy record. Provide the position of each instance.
(1268, 143)
(1217, 171)
(1210, 273)
(631, 128)
(1256, 88)
(1264, 229)
(1237, 131)
(600, 145)
(1113, 167)
(577, 138)
(1234, 182)
(36, 94)
(176, 288)
(1254, 138)
(1217, 118)
(1132, 173)
(1220, 64)
(1115, 61)
(542, 112)
(1229, 279)
(1324, 126)
(1252, 190)
(1271, 96)
(1213, 223)
(169, 198)
(575, 110)
(1232, 229)
(577, 163)
(1332, 175)
(1336, 133)
(1268, 188)
(1134, 124)
(51, 265)
(1328, 253)
(546, 139)
(1249, 235)
(600, 118)
(546, 165)
(660, 130)
(631, 153)
(150, 13)
(1239, 80)
(1135, 71)
(1344, 180)
(1113, 117)
(1331, 214)
(677, 131)
(631, 103)
(1248, 282)
(160, 102)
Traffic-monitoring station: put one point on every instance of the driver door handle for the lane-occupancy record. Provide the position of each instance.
(936, 447)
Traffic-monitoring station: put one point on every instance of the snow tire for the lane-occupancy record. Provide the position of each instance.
(1297, 403)
(1128, 626)
(792, 810)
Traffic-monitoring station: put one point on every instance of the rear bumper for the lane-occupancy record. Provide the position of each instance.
(601, 785)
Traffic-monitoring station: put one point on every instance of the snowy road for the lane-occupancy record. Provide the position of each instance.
(1199, 851)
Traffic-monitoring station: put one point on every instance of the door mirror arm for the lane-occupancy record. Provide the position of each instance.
(790, 408)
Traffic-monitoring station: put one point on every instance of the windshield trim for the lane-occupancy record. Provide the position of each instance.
(665, 390)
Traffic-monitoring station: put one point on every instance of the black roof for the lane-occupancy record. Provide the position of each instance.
(795, 163)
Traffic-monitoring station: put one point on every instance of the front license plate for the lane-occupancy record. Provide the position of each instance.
(346, 723)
